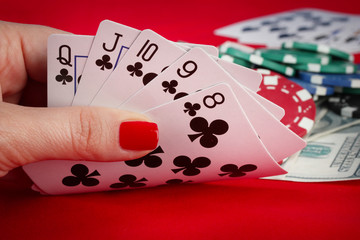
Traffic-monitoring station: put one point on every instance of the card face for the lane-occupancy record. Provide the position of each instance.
(242, 74)
(275, 110)
(348, 38)
(217, 139)
(310, 25)
(67, 55)
(209, 49)
(196, 70)
(193, 71)
(148, 56)
(110, 44)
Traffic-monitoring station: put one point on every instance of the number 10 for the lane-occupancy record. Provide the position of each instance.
(151, 49)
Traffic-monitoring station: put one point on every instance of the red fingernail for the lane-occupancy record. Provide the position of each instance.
(138, 135)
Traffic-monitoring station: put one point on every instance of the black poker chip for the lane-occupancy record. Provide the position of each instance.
(345, 105)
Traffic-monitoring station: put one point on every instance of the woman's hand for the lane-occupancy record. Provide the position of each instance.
(29, 134)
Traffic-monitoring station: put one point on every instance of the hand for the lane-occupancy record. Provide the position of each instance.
(29, 134)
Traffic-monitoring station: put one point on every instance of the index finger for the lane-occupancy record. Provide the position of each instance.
(23, 51)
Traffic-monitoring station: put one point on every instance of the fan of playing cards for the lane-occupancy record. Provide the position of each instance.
(212, 123)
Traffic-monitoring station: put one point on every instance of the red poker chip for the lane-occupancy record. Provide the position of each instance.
(300, 109)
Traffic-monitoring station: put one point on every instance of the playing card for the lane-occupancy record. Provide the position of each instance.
(197, 70)
(148, 56)
(211, 50)
(307, 24)
(217, 142)
(243, 76)
(293, 26)
(186, 68)
(110, 44)
(327, 26)
(67, 55)
(350, 38)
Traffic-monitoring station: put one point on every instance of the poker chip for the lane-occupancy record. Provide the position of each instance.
(223, 47)
(314, 89)
(346, 90)
(345, 105)
(239, 61)
(319, 48)
(297, 102)
(293, 56)
(339, 80)
(333, 67)
(260, 61)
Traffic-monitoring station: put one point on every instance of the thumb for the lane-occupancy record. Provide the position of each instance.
(73, 133)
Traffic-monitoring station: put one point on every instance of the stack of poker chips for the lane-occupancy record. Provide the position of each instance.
(322, 70)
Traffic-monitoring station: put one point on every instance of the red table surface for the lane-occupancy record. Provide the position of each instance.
(236, 209)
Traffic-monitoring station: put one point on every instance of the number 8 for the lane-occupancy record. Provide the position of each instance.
(215, 101)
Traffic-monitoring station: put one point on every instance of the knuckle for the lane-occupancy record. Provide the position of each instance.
(86, 134)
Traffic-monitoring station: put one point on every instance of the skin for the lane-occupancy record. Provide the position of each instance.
(29, 132)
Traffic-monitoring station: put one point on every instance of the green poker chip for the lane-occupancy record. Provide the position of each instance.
(339, 67)
(241, 47)
(260, 61)
(319, 48)
(288, 56)
(235, 60)
(346, 90)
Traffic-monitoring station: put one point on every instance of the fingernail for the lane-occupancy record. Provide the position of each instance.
(138, 135)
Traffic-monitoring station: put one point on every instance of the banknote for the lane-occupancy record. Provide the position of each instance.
(332, 152)
(331, 121)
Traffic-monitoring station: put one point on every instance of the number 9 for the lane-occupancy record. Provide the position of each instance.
(188, 71)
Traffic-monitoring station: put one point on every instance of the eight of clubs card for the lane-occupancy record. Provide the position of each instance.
(215, 135)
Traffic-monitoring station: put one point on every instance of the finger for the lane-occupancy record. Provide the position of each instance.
(34, 44)
(34, 47)
(74, 133)
(22, 55)
(1, 98)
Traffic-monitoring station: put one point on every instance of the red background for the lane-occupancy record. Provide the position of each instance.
(237, 209)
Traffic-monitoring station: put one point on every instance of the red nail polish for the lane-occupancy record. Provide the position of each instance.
(138, 135)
